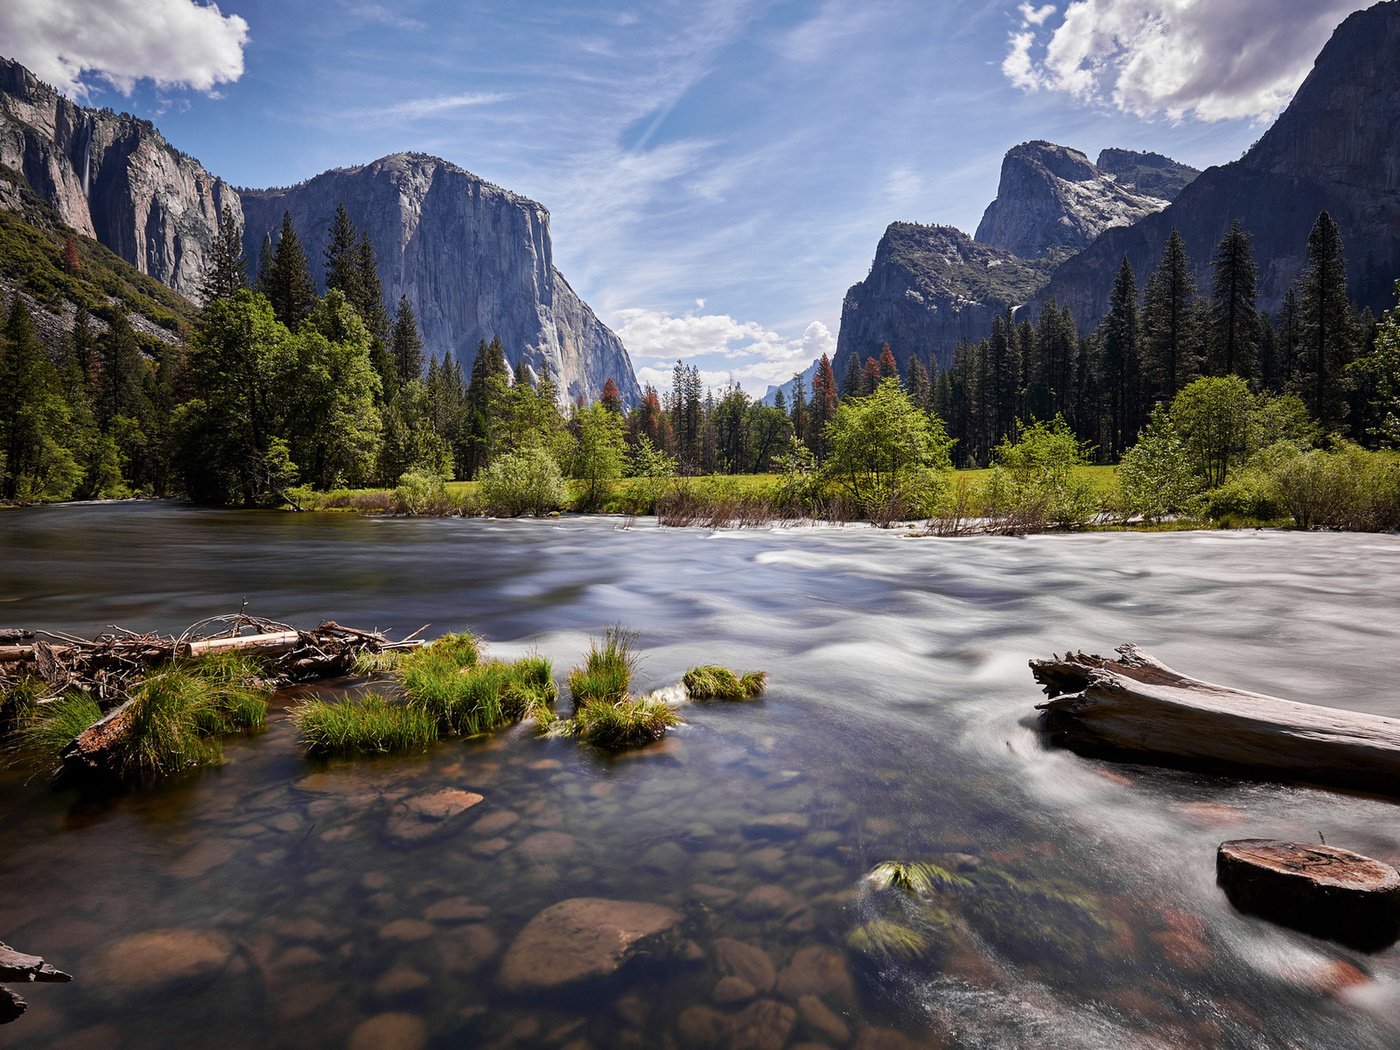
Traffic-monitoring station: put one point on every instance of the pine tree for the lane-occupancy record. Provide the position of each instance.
(611, 398)
(288, 284)
(35, 462)
(71, 261)
(823, 407)
(869, 377)
(920, 386)
(1005, 375)
(1168, 322)
(799, 407)
(850, 382)
(485, 399)
(341, 259)
(1121, 362)
(407, 344)
(1234, 320)
(226, 272)
(889, 368)
(1326, 325)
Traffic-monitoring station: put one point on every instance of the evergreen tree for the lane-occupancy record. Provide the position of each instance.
(407, 344)
(889, 368)
(920, 386)
(869, 377)
(485, 400)
(35, 462)
(288, 284)
(823, 407)
(341, 258)
(1005, 376)
(1234, 319)
(1121, 363)
(611, 397)
(799, 407)
(1326, 326)
(1168, 321)
(851, 382)
(226, 272)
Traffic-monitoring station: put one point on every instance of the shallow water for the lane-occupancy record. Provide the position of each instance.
(897, 725)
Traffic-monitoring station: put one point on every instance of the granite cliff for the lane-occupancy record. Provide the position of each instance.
(1333, 148)
(1052, 200)
(475, 260)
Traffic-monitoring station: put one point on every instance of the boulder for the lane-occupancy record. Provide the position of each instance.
(582, 939)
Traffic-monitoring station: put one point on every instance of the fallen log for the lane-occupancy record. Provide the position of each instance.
(270, 644)
(1137, 707)
(1328, 892)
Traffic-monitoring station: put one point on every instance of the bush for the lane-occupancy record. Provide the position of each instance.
(1156, 477)
(1034, 486)
(1348, 488)
(371, 726)
(524, 482)
(423, 494)
(712, 682)
(606, 674)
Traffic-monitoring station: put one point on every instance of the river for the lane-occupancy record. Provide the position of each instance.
(269, 902)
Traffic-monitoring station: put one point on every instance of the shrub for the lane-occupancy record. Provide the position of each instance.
(606, 674)
(524, 482)
(1348, 488)
(625, 723)
(1156, 477)
(371, 726)
(423, 494)
(712, 682)
(1034, 485)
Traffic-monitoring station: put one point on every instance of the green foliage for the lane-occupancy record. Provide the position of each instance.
(625, 723)
(712, 682)
(606, 674)
(1034, 484)
(523, 482)
(372, 725)
(35, 463)
(423, 494)
(1213, 419)
(917, 878)
(466, 696)
(889, 456)
(885, 937)
(1157, 476)
(600, 454)
(1348, 488)
(43, 730)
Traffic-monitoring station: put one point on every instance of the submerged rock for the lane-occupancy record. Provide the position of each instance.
(159, 957)
(392, 1031)
(425, 816)
(582, 939)
(745, 961)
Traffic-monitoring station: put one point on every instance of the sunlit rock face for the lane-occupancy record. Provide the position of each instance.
(113, 177)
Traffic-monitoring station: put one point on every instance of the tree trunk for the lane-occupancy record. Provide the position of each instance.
(1322, 890)
(1138, 708)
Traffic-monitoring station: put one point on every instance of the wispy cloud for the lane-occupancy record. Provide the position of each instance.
(1178, 58)
(174, 43)
(418, 108)
(378, 14)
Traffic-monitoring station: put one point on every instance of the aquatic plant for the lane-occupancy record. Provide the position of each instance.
(43, 730)
(887, 937)
(372, 725)
(606, 674)
(917, 878)
(481, 697)
(712, 682)
(368, 663)
(625, 723)
(18, 699)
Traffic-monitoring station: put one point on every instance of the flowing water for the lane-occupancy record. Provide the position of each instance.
(275, 902)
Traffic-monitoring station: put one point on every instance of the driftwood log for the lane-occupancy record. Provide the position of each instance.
(1138, 708)
(1322, 890)
(18, 967)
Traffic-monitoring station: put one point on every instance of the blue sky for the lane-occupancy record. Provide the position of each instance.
(718, 172)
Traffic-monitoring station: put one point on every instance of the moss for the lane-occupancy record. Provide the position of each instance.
(606, 674)
(629, 722)
(712, 682)
(371, 726)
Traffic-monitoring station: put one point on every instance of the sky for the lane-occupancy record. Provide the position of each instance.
(718, 172)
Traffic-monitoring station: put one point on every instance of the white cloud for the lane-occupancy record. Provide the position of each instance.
(1179, 58)
(724, 348)
(417, 108)
(175, 43)
(378, 14)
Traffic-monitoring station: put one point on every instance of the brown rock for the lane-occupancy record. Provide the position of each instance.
(407, 930)
(769, 902)
(731, 990)
(456, 909)
(467, 949)
(820, 971)
(439, 805)
(886, 1039)
(490, 847)
(752, 964)
(547, 845)
(700, 1026)
(149, 960)
(821, 1021)
(777, 826)
(393, 1031)
(720, 896)
(582, 939)
(764, 1025)
(495, 823)
(399, 981)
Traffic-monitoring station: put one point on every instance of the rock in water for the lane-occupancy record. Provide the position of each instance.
(1322, 890)
(582, 939)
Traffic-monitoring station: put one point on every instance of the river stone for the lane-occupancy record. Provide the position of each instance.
(581, 939)
(547, 845)
(393, 1031)
(731, 990)
(456, 909)
(407, 930)
(467, 949)
(820, 971)
(764, 1025)
(1322, 890)
(148, 960)
(495, 823)
(490, 847)
(439, 805)
(821, 1021)
(746, 961)
(777, 826)
(769, 902)
(399, 981)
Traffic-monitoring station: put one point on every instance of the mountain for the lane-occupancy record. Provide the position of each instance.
(475, 261)
(1150, 174)
(1333, 148)
(1051, 199)
(930, 288)
(112, 177)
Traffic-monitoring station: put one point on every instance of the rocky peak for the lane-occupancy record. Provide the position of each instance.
(1052, 200)
(1150, 174)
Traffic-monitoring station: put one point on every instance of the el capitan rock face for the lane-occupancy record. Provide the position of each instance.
(1052, 199)
(930, 288)
(1334, 148)
(113, 177)
(476, 262)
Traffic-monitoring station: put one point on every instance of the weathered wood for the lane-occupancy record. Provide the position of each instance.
(90, 752)
(15, 653)
(1137, 707)
(17, 966)
(1322, 890)
(275, 642)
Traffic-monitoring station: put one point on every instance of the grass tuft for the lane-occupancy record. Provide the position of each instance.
(43, 730)
(915, 878)
(371, 726)
(606, 674)
(886, 937)
(629, 722)
(712, 682)
(368, 663)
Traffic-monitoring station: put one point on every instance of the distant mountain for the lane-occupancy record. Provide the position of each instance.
(1149, 174)
(476, 261)
(1333, 148)
(1052, 200)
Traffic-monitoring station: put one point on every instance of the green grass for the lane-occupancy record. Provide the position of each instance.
(373, 725)
(712, 682)
(1103, 479)
(626, 723)
(606, 674)
(449, 681)
(44, 730)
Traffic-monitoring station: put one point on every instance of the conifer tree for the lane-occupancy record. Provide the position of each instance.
(611, 397)
(226, 272)
(799, 407)
(889, 369)
(1233, 346)
(920, 386)
(341, 259)
(1121, 362)
(484, 403)
(35, 462)
(851, 381)
(407, 344)
(823, 407)
(288, 284)
(1168, 321)
(869, 377)
(1005, 380)
(1326, 325)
